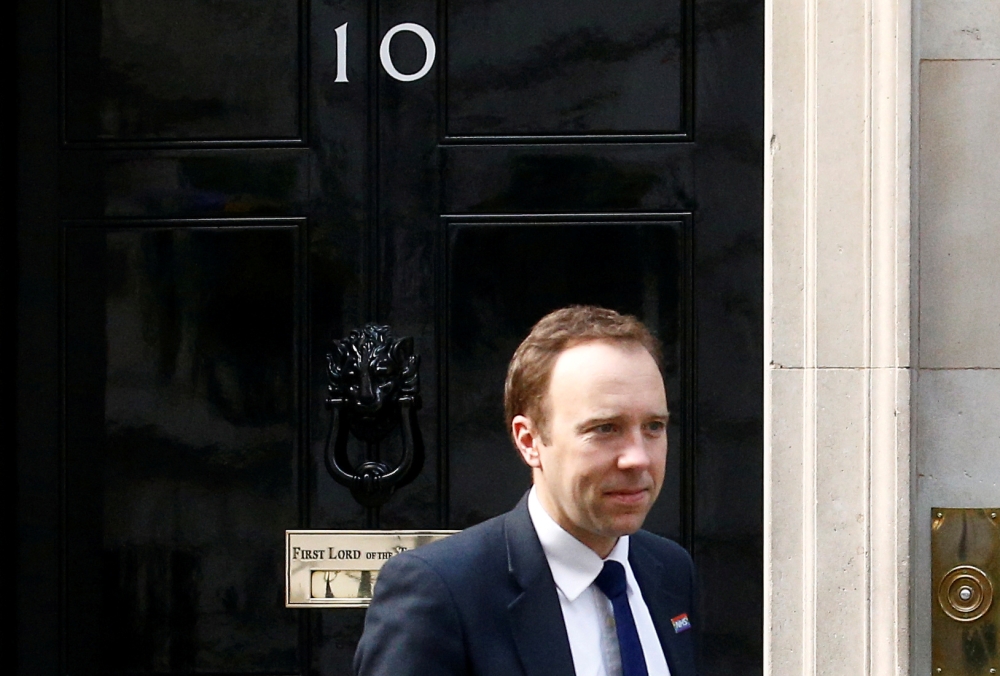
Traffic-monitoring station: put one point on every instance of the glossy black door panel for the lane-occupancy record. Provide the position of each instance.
(180, 461)
(534, 71)
(183, 71)
(184, 184)
(568, 179)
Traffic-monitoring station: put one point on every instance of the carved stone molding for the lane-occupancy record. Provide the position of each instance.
(837, 323)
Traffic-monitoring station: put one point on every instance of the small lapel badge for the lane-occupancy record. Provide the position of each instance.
(681, 623)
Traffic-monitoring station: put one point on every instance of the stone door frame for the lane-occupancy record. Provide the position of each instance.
(837, 328)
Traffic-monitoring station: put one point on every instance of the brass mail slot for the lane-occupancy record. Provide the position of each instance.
(965, 606)
(339, 568)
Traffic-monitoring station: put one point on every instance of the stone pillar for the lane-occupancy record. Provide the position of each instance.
(837, 349)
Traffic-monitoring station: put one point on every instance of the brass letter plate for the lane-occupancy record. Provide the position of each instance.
(339, 568)
(965, 591)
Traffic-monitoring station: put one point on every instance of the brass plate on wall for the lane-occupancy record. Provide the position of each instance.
(339, 568)
(965, 574)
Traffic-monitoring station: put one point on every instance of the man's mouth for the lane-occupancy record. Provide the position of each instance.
(628, 495)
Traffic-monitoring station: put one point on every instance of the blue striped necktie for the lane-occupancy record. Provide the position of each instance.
(611, 581)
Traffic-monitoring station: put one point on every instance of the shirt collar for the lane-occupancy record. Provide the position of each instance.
(574, 565)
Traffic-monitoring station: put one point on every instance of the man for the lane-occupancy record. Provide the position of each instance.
(565, 583)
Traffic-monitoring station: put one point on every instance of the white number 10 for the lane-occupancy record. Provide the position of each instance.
(430, 52)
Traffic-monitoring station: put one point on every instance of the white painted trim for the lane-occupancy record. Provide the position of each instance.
(837, 332)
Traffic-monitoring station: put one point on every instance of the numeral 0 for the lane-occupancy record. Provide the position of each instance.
(430, 52)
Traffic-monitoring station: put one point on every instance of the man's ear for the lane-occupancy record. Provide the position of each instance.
(527, 439)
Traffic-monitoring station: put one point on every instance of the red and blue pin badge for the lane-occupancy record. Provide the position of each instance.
(681, 623)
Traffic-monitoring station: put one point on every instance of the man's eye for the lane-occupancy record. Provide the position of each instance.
(656, 426)
(606, 428)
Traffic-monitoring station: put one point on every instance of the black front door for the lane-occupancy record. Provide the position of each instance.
(211, 190)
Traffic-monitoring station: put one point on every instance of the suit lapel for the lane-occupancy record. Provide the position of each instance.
(663, 603)
(535, 614)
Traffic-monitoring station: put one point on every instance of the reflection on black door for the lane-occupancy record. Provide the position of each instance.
(220, 188)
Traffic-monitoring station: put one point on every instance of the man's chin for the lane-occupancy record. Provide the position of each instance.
(627, 524)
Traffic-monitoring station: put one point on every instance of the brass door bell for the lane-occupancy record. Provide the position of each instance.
(965, 593)
(965, 569)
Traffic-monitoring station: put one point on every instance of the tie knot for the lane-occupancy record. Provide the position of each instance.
(611, 580)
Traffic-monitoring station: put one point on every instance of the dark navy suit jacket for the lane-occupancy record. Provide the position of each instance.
(482, 603)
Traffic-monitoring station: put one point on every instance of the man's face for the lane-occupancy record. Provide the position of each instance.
(598, 465)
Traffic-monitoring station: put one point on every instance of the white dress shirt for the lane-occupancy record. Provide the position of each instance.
(587, 612)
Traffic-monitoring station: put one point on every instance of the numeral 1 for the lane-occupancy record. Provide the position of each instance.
(341, 53)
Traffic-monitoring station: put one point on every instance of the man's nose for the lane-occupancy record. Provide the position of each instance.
(634, 454)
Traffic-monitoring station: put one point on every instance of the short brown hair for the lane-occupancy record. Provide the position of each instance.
(531, 366)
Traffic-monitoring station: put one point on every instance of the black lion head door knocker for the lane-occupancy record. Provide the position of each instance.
(374, 387)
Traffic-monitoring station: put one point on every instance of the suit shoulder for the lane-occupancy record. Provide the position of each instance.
(663, 548)
(467, 550)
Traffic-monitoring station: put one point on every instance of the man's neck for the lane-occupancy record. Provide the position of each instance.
(599, 544)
